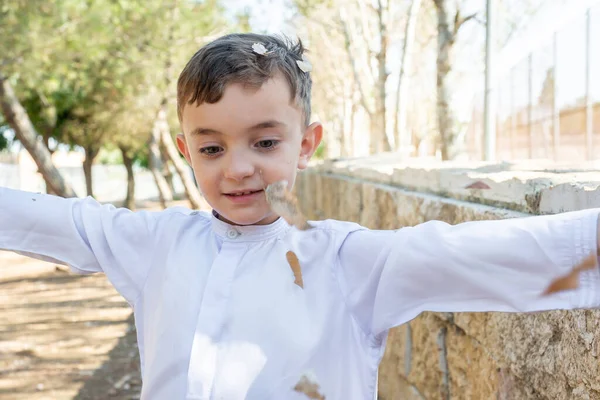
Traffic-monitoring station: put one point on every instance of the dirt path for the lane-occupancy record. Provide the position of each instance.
(64, 336)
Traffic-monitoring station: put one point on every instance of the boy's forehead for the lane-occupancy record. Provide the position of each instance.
(242, 107)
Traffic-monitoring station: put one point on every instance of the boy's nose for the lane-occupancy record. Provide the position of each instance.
(239, 168)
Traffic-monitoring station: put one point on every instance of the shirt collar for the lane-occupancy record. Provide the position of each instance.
(248, 232)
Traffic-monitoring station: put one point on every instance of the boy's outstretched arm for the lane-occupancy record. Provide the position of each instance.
(389, 277)
(81, 233)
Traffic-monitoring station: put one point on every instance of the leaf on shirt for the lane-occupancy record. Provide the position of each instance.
(571, 280)
(309, 387)
(285, 204)
(292, 259)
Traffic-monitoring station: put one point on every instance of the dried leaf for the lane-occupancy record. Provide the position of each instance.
(285, 204)
(259, 48)
(304, 64)
(571, 280)
(292, 259)
(478, 185)
(309, 387)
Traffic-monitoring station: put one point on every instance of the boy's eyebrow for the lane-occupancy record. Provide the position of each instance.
(272, 123)
(199, 131)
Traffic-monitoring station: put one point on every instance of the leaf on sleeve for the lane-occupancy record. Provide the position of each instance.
(571, 280)
(292, 259)
(285, 204)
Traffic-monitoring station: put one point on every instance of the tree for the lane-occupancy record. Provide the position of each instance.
(447, 35)
(366, 43)
(17, 118)
(402, 134)
(179, 26)
(91, 61)
(23, 28)
(361, 29)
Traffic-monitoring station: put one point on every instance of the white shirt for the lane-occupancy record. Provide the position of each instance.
(219, 316)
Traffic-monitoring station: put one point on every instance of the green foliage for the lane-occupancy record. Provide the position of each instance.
(142, 158)
(92, 74)
(4, 143)
(4, 130)
(110, 156)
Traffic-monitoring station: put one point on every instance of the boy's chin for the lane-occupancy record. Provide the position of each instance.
(241, 220)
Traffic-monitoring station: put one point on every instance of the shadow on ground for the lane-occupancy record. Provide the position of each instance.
(119, 376)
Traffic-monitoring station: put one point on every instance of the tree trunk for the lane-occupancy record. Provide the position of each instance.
(90, 155)
(402, 134)
(446, 38)
(166, 168)
(382, 75)
(346, 124)
(352, 125)
(154, 163)
(128, 163)
(376, 126)
(444, 113)
(19, 121)
(191, 191)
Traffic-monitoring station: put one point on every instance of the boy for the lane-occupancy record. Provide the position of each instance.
(217, 311)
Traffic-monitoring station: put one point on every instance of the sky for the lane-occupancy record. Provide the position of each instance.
(569, 20)
(266, 15)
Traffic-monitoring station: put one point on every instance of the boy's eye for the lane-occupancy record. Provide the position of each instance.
(210, 150)
(267, 144)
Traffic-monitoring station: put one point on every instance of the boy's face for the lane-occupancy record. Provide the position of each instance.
(244, 142)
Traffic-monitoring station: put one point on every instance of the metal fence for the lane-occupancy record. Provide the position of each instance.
(548, 104)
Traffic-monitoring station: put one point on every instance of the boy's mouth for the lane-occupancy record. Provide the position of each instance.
(245, 196)
(243, 193)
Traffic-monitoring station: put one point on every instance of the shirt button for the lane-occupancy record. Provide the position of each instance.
(232, 234)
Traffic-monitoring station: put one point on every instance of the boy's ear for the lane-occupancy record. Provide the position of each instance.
(182, 146)
(310, 141)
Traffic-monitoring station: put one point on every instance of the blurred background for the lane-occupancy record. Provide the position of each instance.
(88, 87)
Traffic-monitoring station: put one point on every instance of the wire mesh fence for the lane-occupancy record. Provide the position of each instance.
(548, 104)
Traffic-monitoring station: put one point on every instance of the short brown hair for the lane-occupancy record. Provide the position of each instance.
(231, 59)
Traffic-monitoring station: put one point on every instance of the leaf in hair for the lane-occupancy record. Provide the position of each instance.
(285, 204)
(571, 280)
(259, 48)
(304, 64)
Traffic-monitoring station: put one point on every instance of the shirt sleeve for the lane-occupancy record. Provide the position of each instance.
(389, 277)
(81, 233)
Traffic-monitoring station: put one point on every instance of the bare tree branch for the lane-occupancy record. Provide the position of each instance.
(352, 59)
(459, 21)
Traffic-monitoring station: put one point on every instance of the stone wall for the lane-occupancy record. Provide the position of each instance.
(549, 355)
